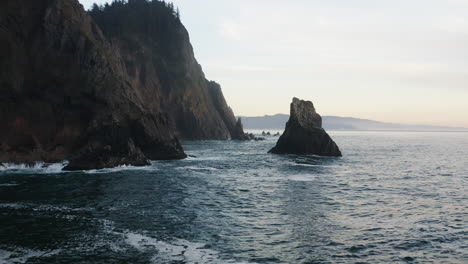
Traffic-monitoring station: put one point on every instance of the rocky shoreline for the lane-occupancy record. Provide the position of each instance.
(71, 89)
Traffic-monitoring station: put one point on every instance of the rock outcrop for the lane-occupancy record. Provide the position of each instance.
(159, 59)
(304, 134)
(114, 86)
(239, 133)
(65, 93)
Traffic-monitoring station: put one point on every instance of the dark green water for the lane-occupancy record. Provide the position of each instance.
(393, 198)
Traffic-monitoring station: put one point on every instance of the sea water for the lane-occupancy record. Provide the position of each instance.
(393, 197)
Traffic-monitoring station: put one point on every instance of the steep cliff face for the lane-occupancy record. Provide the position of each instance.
(160, 60)
(65, 93)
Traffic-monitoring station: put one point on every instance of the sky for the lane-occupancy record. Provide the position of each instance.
(401, 61)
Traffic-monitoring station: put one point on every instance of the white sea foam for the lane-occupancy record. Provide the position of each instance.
(8, 184)
(302, 177)
(51, 168)
(179, 250)
(45, 207)
(203, 158)
(195, 168)
(38, 167)
(305, 165)
(190, 158)
(302, 164)
(151, 167)
(12, 205)
(21, 255)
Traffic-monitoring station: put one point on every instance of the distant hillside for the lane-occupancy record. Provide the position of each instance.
(278, 122)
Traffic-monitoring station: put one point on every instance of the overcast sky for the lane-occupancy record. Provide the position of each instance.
(397, 61)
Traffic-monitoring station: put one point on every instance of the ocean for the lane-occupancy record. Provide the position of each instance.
(394, 197)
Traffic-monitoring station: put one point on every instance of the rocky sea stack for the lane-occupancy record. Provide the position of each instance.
(304, 134)
(118, 85)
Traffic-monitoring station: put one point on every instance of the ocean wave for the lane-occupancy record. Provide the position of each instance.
(195, 168)
(176, 250)
(22, 255)
(203, 158)
(37, 167)
(151, 167)
(12, 205)
(45, 207)
(307, 164)
(190, 158)
(52, 168)
(8, 184)
(302, 177)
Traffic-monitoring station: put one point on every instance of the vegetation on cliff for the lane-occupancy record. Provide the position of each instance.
(73, 87)
(159, 59)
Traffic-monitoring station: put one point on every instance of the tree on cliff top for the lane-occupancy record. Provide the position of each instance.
(153, 19)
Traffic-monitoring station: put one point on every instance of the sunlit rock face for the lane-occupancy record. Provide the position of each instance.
(304, 134)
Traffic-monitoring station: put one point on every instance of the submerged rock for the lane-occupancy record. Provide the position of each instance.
(304, 134)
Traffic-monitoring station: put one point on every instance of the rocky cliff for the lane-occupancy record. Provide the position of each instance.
(68, 91)
(304, 134)
(159, 59)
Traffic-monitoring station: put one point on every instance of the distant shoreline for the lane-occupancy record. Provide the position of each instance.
(338, 123)
(350, 130)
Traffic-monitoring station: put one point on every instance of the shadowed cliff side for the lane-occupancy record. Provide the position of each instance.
(304, 134)
(65, 94)
(160, 60)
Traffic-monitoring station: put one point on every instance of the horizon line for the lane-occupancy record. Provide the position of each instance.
(391, 123)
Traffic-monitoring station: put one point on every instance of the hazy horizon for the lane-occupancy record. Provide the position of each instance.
(249, 121)
(399, 61)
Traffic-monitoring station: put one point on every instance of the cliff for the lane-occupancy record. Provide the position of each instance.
(67, 93)
(304, 134)
(159, 59)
